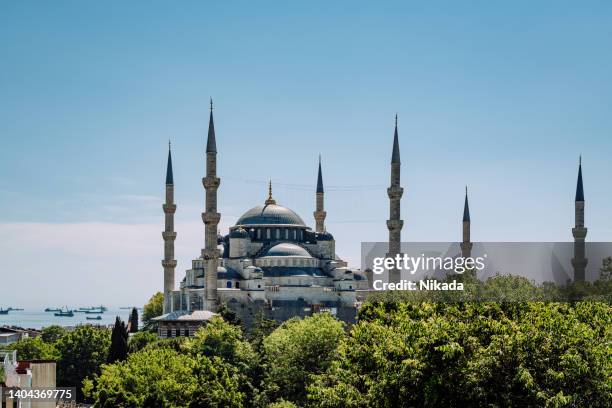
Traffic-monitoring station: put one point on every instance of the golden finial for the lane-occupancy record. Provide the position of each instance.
(270, 200)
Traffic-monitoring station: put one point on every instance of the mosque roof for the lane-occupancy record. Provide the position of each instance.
(270, 214)
(227, 273)
(183, 315)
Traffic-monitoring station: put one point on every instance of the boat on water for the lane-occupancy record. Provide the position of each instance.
(94, 311)
(94, 318)
(15, 309)
(4, 311)
(52, 310)
(64, 313)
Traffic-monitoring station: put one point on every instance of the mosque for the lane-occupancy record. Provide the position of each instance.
(271, 264)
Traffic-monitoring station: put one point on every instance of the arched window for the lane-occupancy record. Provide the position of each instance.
(278, 233)
(268, 233)
(258, 233)
(237, 285)
(228, 284)
(286, 233)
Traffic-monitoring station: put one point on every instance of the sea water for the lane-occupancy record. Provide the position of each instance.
(37, 319)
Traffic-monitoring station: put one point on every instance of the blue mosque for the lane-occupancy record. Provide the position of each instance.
(271, 263)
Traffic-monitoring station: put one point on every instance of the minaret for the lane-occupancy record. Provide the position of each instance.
(169, 263)
(319, 214)
(579, 232)
(395, 191)
(211, 217)
(466, 244)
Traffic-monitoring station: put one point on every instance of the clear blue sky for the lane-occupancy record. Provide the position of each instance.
(500, 96)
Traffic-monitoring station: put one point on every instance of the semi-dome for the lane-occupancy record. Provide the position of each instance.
(270, 214)
(287, 249)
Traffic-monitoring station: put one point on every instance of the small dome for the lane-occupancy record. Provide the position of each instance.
(270, 214)
(239, 233)
(286, 249)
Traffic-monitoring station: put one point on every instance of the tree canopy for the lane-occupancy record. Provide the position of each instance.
(153, 308)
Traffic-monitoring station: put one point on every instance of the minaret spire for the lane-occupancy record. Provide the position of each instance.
(395, 192)
(579, 186)
(395, 156)
(466, 244)
(169, 176)
(211, 143)
(270, 200)
(169, 235)
(579, 262)
(466, 207)
(320, 213)
(211, 217)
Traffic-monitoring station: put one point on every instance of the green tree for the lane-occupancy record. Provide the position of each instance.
(296, 350)
(82, 353)
(134, 321)
(472, 354)
(153, 308)
(119, 342)
(51, 334)
(229, 315)
(221, 339)
(225, 341)
(282, 404)
(34, 348)
(166, 378)
(140, 340)
(261, 329)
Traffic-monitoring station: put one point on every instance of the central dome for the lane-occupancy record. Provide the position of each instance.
(270, 214)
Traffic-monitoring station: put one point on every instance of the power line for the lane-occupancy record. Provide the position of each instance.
(308, 187)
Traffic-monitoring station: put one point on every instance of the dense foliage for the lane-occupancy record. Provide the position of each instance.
(34, 348)
(153, 308)
(166, 378)
(81, 354)
(140, 340)
(405, 351)
(472, 354)
(214, 368)
(297, 349)
(51, 334)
